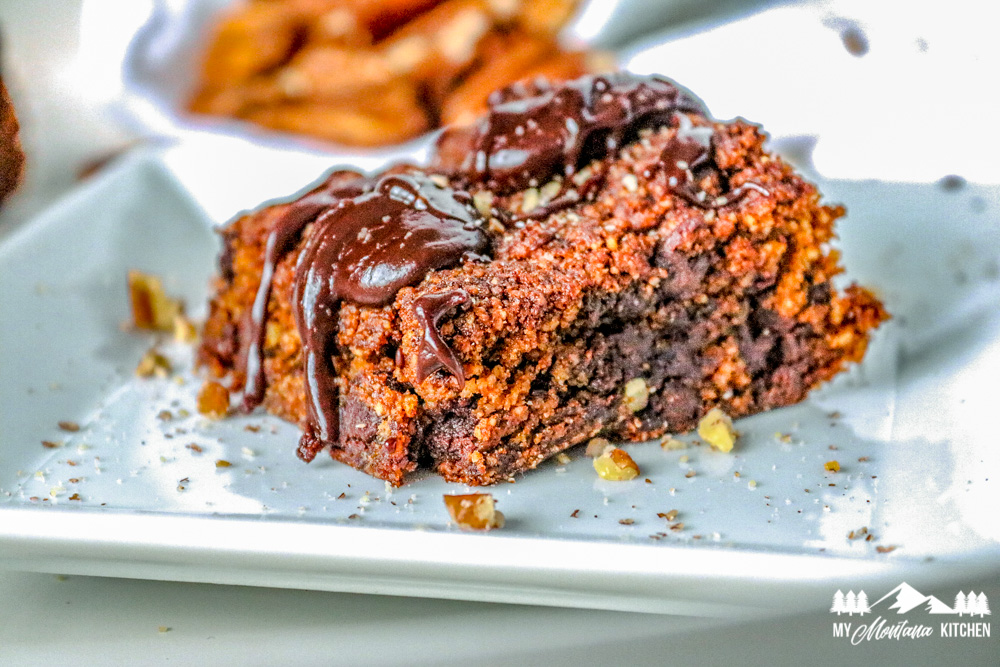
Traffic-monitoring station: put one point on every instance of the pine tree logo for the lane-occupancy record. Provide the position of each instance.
(838, 603)
(862, 606)
(983, 605)
(972, 604)
(850, 604)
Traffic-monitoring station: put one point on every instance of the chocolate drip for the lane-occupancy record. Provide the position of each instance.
(433, 353)
(533, 133)
(283, 237)
(364, 250)
(688, 158)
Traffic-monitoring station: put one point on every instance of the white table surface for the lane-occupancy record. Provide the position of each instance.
(46, 619)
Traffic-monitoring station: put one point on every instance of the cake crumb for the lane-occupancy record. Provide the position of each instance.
(597, 446)
(832, 466)
(70, 427)
(563, 458)
(671, 443)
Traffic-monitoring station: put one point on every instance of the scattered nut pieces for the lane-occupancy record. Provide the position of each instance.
(184, 329)
(153, 364)
(615, 465)
(716, 428)
(885, 550)
(636, 395)
(213, 400)
(152, 309)
(626, 522)
(832, 466)
(51, 444)
(69, 427)
(474, 511)
(222, 463)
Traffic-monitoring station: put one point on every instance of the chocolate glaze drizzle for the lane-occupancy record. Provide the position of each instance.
(688, 158)
(533, 132)
(282, 239)
(364, 250)
(433, 353)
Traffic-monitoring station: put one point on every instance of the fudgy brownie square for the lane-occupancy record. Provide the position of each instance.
(592, 258)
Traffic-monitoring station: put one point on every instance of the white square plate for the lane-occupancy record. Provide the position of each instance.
(109, 501)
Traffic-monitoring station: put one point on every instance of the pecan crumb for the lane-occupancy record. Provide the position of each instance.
(716, 428)
(153, 364)
(616, 465)
(213, 400)
(152, 309)
(474, 511)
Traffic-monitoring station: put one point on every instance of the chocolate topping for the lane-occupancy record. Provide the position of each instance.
(532, 133)
(282, 239)
(364, 250)
(433, 353)
(689, 158)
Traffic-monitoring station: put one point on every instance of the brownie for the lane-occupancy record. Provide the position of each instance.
(484, 313)
(11, 155)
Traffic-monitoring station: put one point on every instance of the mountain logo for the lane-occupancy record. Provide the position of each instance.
(905, 598)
